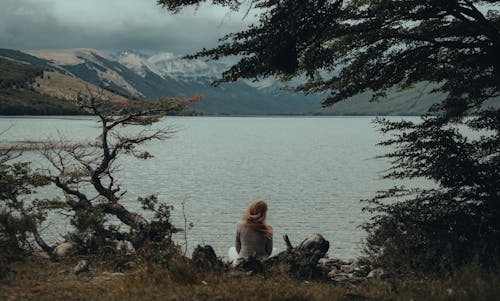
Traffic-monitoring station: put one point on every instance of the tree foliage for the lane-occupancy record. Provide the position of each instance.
(458, 221)
(20, 217)
(15, 74)
(87, 175)
(350, 47)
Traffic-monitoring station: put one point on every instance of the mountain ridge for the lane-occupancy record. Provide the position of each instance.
(139, 76)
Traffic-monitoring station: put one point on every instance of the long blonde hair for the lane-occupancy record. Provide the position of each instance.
(255, 218)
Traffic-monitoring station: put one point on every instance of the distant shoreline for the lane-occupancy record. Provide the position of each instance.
(88, 117)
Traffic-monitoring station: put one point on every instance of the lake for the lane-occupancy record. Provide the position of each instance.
(312, 171)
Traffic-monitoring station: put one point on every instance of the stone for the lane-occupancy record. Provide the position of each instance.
(347, 268)
(332, 274)
(330, 263)
(361, 271)
(303, 261)
(340, 277)
(204, 257)
(82, 266)
(64, 249)
(378, 273)
(118, 274)
(315, 243)
(331, 270)
(250, 264)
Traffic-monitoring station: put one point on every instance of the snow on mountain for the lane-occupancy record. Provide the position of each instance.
(137, 62)
(176, 67)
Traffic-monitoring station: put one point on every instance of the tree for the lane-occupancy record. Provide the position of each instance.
(19, 218)
(350, 47)
(86, 173)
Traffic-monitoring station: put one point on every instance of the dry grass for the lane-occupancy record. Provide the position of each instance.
(66, 87)
(45, 280)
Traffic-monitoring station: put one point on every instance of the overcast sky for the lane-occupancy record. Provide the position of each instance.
(112, 25)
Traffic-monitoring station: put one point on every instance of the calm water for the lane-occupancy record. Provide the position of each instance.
(313, 172)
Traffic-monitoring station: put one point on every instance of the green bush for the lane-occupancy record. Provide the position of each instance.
(453, 224)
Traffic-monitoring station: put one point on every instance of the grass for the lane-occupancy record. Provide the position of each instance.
(45, 280)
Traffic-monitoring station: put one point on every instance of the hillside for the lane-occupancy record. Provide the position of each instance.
(14, 73)
(134, 75)
(19, 97)
(66, 87)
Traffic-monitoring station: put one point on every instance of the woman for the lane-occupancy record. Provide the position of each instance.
(254, 238)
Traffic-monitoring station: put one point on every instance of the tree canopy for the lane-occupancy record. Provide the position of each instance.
(349, 47)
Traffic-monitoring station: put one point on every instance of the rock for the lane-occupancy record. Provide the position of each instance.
(347, 268)
(250, 264)
(332, 270)
(204, 257)
(117, 274)
(330, 263)
(315, 243)
(340, 277)
(347, 278)
(82, 266)
(378, 273)
(63, 250)
(303, 261)
(332, 274)
(361, 271)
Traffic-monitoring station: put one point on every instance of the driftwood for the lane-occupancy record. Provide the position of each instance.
(301, 261)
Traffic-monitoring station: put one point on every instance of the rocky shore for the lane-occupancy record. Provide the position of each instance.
(307, 261)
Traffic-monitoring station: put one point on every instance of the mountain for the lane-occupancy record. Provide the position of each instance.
(267, 96)
(136, 75)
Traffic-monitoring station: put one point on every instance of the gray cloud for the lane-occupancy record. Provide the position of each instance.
(112, 25)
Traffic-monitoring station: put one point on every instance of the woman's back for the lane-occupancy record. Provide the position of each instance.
(252, 243)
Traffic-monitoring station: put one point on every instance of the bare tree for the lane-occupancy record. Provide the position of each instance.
(86, 173)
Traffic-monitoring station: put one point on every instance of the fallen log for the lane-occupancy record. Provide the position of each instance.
(301, 261)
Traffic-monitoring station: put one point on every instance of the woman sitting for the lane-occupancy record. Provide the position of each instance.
(254, 238)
